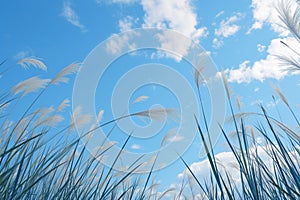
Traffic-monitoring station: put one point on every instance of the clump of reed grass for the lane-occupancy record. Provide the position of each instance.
(266, 171)
(38, 160)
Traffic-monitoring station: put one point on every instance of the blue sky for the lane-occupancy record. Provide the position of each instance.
(240, 36)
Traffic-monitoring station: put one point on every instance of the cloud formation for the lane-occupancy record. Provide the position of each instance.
(228, 27)
(260, 48)
(135, 146)
(71, 16)
(176, 15)
(270, 67)
(127, 23)
(227, 165)
(266, 12)
(117, 1)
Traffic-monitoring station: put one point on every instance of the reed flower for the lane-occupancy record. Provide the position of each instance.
(30, 85)
(63, 105)
(78, 119)
(34, 62)
(140, 98)
(158, 113)
(61, 76)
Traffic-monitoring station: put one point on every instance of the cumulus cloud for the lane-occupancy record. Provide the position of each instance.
(71, 16)
(176, 15)
(228, 27)
(270, 67)
(227, 164)
(266, 12)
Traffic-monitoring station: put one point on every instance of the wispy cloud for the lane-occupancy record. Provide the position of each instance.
(219, 14)
(116, 1)
(123, 43)
(228, 27)
(135, 146)
(256, 102)
(71, 16)
(261, 48)
(127, 23)
(217, 43)
(23, 54)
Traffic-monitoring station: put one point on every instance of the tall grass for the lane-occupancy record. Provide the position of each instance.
(38, 161)
(269, 169)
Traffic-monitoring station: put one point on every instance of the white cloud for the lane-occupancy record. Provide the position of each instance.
(226, 163)
(169, 40)
(23, 54)
(71, 16)
(127, 23)
(217, 43)
(176, 15)
(257, 102)
(220, 13)
(265, 12)
(270, 67)
(135, 146)
(122, 43)
(117, 1)
(260, 47)
(228, 27)
(256, 89)
(272, 104)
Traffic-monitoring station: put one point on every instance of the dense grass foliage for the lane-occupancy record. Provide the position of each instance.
(38, 161)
